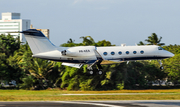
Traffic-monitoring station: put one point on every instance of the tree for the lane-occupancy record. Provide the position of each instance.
(8, 44)
(153, 73)
(141, 43)
(8, 66)
(70, 41)
(87, 40)
(172, 67)
(152, 40)
(54, 77)
(36, 70)
(103, 43)
(39, 68)
(175, 49)
(70, 78)
(28, 82)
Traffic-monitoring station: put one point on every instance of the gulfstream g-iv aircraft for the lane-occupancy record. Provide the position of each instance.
(41, 47)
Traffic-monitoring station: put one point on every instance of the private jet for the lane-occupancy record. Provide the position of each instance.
(93, 56)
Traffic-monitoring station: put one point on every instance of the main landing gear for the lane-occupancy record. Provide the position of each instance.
(98, 71)
(161, 67)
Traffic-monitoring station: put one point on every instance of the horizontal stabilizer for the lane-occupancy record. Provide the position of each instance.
(73, 65)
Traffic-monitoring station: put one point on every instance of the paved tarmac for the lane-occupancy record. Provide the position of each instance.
(118, 103)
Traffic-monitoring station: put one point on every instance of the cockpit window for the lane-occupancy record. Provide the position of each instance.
(160, 48)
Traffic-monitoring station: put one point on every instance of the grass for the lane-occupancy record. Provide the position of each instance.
(56, 95)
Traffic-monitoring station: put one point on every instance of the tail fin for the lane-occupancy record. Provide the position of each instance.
(37, 41)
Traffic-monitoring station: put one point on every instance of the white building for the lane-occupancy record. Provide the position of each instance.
(11, 22)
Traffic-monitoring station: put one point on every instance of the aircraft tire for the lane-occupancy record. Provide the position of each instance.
(161, 68)
(100, 72)
(91, 72)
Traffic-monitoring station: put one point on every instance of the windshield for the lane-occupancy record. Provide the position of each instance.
(160, 48)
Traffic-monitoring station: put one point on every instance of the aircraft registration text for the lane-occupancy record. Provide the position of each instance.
(84, 50)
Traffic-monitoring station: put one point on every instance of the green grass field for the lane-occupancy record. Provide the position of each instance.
(56, 95)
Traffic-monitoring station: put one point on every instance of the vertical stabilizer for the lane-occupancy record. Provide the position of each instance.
(37, 41)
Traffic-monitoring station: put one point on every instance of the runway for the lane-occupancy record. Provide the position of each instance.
(118, 103)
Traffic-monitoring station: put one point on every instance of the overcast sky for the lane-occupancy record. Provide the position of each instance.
(118, 21)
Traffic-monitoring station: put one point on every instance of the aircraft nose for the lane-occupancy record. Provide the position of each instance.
(170, 54)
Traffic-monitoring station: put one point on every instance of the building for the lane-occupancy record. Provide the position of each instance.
(44, 31)
(11, 22)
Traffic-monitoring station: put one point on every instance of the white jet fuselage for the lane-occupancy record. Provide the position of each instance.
(89, 54)
(41, 47)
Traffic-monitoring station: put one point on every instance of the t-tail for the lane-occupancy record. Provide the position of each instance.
(37, 41)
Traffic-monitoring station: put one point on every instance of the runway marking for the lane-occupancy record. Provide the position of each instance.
(97, 104)
(105, 103)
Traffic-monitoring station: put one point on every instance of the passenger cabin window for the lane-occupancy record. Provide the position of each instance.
(112, 53)
(142, 52)
(119, 52)
(134, 52)
(127, 52)
(160, 48)
(105, 53)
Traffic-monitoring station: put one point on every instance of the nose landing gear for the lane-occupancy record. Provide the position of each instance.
(161, 67)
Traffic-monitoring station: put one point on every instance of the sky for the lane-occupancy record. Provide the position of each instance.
(117, 21)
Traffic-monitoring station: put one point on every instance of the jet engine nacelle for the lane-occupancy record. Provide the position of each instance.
(79, 51)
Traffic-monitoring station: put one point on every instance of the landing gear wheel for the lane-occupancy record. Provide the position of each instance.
(100, 72)
(161, 68)
(91, 72)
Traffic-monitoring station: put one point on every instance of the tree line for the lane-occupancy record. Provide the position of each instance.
(18, 64)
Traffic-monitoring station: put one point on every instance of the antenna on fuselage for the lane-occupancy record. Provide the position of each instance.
(123, 44)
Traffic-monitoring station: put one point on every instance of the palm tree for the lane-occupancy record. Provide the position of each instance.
(154, 40)
(70, 41)
(40, 68)
(35, 69)
(141, 43)
(87, 40)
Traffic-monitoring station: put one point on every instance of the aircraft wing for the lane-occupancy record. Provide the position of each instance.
(107, 62)
(72, 65)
